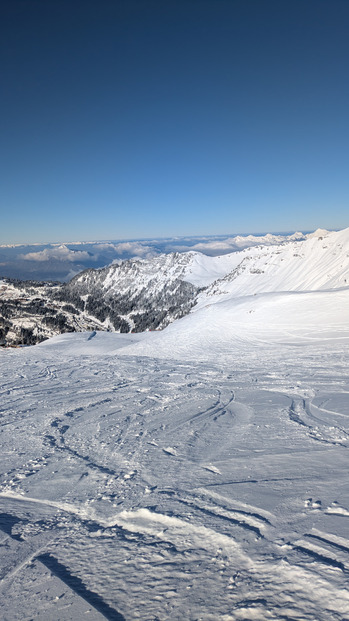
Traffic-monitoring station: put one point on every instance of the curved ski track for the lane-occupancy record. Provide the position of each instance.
(143, 490)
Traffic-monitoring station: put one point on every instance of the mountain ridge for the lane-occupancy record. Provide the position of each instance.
(149, 294)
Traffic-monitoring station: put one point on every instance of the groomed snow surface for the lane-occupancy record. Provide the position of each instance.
(197, 473)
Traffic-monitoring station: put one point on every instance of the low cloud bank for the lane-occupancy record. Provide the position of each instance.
(63, 261)
(135, 249)
(60, 253)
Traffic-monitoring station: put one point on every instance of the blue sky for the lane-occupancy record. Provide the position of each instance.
(135, 119)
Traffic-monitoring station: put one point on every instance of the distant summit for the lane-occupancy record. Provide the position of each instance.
(318, 233)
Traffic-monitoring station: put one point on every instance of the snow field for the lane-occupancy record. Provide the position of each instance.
(144, 488)
(194, 473)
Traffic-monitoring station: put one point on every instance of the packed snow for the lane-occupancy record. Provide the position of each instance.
(195, 473)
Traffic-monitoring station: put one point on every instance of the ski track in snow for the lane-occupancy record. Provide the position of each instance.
(134, 488)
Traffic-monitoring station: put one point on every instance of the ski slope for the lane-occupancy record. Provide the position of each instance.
(194, 473)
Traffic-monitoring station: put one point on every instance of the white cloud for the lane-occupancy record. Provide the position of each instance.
(130, 248)
(61, 253)
(135, 249)
(214, 246)
(103, 246)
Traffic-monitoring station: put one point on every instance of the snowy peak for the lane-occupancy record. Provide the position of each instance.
(135, 274)
(297, 236)
(319, 233)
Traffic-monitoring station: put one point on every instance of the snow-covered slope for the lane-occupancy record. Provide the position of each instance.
(289, 294)
(271, 319)
(146, 488)
(319, 262)
(195, 473)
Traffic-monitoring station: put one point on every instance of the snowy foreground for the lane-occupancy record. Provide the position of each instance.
(196, 473)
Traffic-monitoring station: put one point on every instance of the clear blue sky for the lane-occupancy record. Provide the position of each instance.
(139, 118)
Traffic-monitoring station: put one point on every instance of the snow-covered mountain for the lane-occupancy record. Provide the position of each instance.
(319, 262)
(140, 294)
(198, 472)
(131, 296)
(146, 294)
(268, 295)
